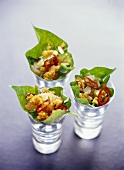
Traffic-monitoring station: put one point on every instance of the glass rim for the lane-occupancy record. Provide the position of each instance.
(51, 81)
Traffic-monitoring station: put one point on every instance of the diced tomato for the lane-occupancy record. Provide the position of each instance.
(104, 96)
(63, 107)
(28, 95)
(91, 83)
(50, 62)
(43, 106)
(49, 113)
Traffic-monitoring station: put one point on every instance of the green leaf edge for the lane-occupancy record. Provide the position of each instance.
(29, 89)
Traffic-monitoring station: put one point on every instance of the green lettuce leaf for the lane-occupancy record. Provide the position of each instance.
(83, 72)
(65, 67)
(79, 76)
(59, 91)
(76, 90)
(106, 79)
(112, 91)
(100, 72)
(67, 103)
(73, 83)
(46, 37)
(83, 101)
(56, 115)
(22, 91)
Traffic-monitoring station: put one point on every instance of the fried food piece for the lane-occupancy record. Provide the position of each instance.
(33, 102)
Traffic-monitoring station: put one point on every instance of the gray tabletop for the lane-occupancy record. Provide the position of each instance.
(94, 31)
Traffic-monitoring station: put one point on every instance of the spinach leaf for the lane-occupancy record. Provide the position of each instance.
(76, 90)
(56, 115)
(73, 83)
(83, 101)
(46, 38)
(106, 79)
(22, 91)
(83, 72)
(59, 91)
(68, 103)
(79, 76)
(101, 72)
(112, 91)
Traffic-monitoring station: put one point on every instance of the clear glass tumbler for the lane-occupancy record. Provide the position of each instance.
(51, 83)
(88, 124)
(46, 137)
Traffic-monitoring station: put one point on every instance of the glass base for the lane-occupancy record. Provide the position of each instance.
(87, 133)
(45, 148)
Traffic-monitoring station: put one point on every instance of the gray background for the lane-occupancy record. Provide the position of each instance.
(94, 31)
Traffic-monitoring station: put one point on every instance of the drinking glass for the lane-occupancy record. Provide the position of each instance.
(88, 123)
(46, 137)
(51, 83)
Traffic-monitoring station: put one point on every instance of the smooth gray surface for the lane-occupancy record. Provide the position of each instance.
(94, 31)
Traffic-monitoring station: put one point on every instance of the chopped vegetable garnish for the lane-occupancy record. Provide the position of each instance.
(90, 87)
(50, 58)
(104, 96)
(45, 106)
(91, 83)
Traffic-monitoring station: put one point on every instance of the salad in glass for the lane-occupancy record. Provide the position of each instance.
(46, 105)
(50, 59)
(91, 86)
